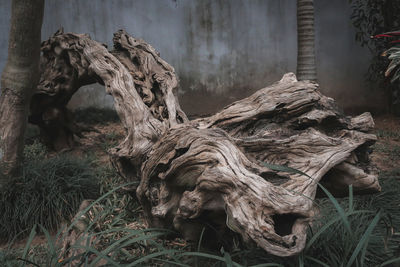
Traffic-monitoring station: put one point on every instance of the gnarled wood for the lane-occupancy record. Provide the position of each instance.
(209, 172)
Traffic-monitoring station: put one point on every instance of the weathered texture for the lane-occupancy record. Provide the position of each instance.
(292, 123)
(64, 71)
(19, 78)
(154, 79)
(208, 172)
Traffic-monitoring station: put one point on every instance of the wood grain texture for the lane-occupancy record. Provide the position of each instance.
(208, 173)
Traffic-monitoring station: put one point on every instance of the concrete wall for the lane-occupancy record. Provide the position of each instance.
(222, 50)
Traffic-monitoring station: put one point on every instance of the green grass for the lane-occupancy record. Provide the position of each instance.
(387, 134)
(353, 231)
(48, 191)
(92, 116)
(110, 140)
(392, 152)
(370, 239)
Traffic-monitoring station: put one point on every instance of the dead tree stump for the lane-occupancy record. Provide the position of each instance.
(208, 172)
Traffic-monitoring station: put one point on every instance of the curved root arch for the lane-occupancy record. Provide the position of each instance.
(208, 172)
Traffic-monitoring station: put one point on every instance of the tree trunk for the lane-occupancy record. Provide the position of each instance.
(306, 68)
(19, 79)
(209, 173)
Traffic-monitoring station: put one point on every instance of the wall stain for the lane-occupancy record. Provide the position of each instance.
(222, 50)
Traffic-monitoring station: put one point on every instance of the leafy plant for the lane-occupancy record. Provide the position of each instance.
(393, 69)
(371, 17)
(34, 152)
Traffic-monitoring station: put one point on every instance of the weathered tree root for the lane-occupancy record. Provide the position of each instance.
(208, 172)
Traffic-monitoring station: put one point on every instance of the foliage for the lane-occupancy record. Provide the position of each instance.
(372, 17)
(110, 140)
(48, 191)
(34, 152)
(387, 134)
(393, 69)
(354, 231)
(92, 116)
(359, 232)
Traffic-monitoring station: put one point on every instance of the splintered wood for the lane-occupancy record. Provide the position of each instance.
(209, 173)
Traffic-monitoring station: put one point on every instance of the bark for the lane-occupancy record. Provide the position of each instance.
(19, 79)
(306, 68)
(209, 173)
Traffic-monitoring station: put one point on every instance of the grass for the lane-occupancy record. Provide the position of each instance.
(387, 134)
(110, 140)
(353, 231)
(48, 191)
(330, 243)
(95, 116)
(392, 152)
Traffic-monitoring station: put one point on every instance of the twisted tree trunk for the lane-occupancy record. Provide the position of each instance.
(19, 79)
(306, 68)
(209, 173)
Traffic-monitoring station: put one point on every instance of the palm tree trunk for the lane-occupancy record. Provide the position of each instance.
(306, 68)
(18, 80)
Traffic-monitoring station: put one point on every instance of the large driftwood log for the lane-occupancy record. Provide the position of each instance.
(209, 172)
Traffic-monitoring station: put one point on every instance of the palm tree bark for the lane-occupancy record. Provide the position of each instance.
(306, 68)
(19, 79)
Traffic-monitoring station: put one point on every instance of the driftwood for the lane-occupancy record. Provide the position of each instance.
(208, 172)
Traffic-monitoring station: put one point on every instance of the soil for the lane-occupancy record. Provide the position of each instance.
(385, 155)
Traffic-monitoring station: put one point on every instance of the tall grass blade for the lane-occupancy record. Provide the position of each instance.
(28, 243)
(364, 239)
(316, 261)
(50, 241)
(98, 254)
(78, 216)
(227, 256)
(268, 265)
(200, 239)
(329, 224)
(389, 262)
(129, 241)
(172, 263)
(339, 208)
(351, 199)
(282, 168)
(151, 256)
(208, 256)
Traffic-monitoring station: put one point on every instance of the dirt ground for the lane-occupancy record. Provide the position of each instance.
(385, 155)
(386, 151)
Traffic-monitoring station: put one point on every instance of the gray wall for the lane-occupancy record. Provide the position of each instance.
(221, 50)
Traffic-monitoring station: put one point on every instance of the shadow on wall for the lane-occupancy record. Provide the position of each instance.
(93, 95)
